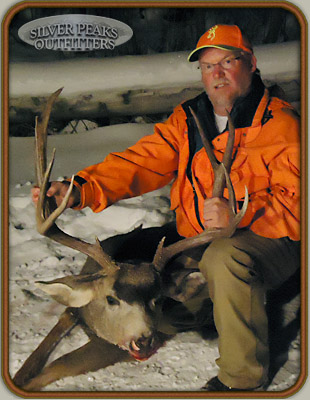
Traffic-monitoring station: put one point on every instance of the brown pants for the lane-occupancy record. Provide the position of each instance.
(239, 270)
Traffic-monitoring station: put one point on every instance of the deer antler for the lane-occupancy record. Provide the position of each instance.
(221, 178)
(47, 212)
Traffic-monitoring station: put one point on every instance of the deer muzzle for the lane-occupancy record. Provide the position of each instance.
(144, 347)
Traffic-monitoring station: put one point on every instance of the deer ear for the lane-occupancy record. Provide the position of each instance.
(70, 290)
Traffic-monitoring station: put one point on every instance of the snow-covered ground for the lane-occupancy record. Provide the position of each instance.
(186, 362)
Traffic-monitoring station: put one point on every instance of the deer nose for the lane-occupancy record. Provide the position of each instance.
(145, 341)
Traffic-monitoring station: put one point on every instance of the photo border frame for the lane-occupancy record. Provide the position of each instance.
(5, 195)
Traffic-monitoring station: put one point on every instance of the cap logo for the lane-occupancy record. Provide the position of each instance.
(211, 32)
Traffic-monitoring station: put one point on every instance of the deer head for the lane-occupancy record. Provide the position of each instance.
(120, 306)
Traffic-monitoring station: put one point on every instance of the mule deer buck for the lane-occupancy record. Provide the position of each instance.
(119, 303)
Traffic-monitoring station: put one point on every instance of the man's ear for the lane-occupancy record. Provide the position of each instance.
(253, 63)
(72, 291)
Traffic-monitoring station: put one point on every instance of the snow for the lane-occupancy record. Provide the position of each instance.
(186, 362)
(86, 148)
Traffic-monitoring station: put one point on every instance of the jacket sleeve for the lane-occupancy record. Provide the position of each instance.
(148, 165)
(276, 212)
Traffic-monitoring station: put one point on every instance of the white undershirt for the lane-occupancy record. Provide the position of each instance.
(221, 122)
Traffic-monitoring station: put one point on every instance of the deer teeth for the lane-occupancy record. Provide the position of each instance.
(134, 346)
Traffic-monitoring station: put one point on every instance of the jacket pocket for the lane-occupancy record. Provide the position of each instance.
(249, 170)
(237, 173)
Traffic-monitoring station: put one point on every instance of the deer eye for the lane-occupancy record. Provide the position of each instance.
(154, 303)
(112, 301)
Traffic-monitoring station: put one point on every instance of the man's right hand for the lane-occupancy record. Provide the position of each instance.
(58, 190)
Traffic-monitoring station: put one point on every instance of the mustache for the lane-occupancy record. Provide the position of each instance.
(220, 82)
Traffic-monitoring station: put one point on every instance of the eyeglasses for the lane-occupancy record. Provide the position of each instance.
(227, 63)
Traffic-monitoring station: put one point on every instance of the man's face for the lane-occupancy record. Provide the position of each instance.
(227, 81)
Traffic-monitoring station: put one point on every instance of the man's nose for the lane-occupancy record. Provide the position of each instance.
(218, 71)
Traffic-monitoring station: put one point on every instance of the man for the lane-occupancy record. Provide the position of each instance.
(264, 252)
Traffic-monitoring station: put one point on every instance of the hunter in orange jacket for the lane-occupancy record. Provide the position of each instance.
(266, 161)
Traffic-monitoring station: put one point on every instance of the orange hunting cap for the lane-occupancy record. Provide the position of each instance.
(224, 37)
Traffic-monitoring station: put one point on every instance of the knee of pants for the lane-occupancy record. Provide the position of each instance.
(224, 257)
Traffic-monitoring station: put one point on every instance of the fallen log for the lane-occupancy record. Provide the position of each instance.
(131, 85)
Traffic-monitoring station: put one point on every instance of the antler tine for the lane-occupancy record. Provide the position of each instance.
(237, 217)
(205, 142)
(231, 193)
(219, 176)
(47, 212)
(165, 254)
(41, 136)
(47, 223)
(159, 259)
(227, 158)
